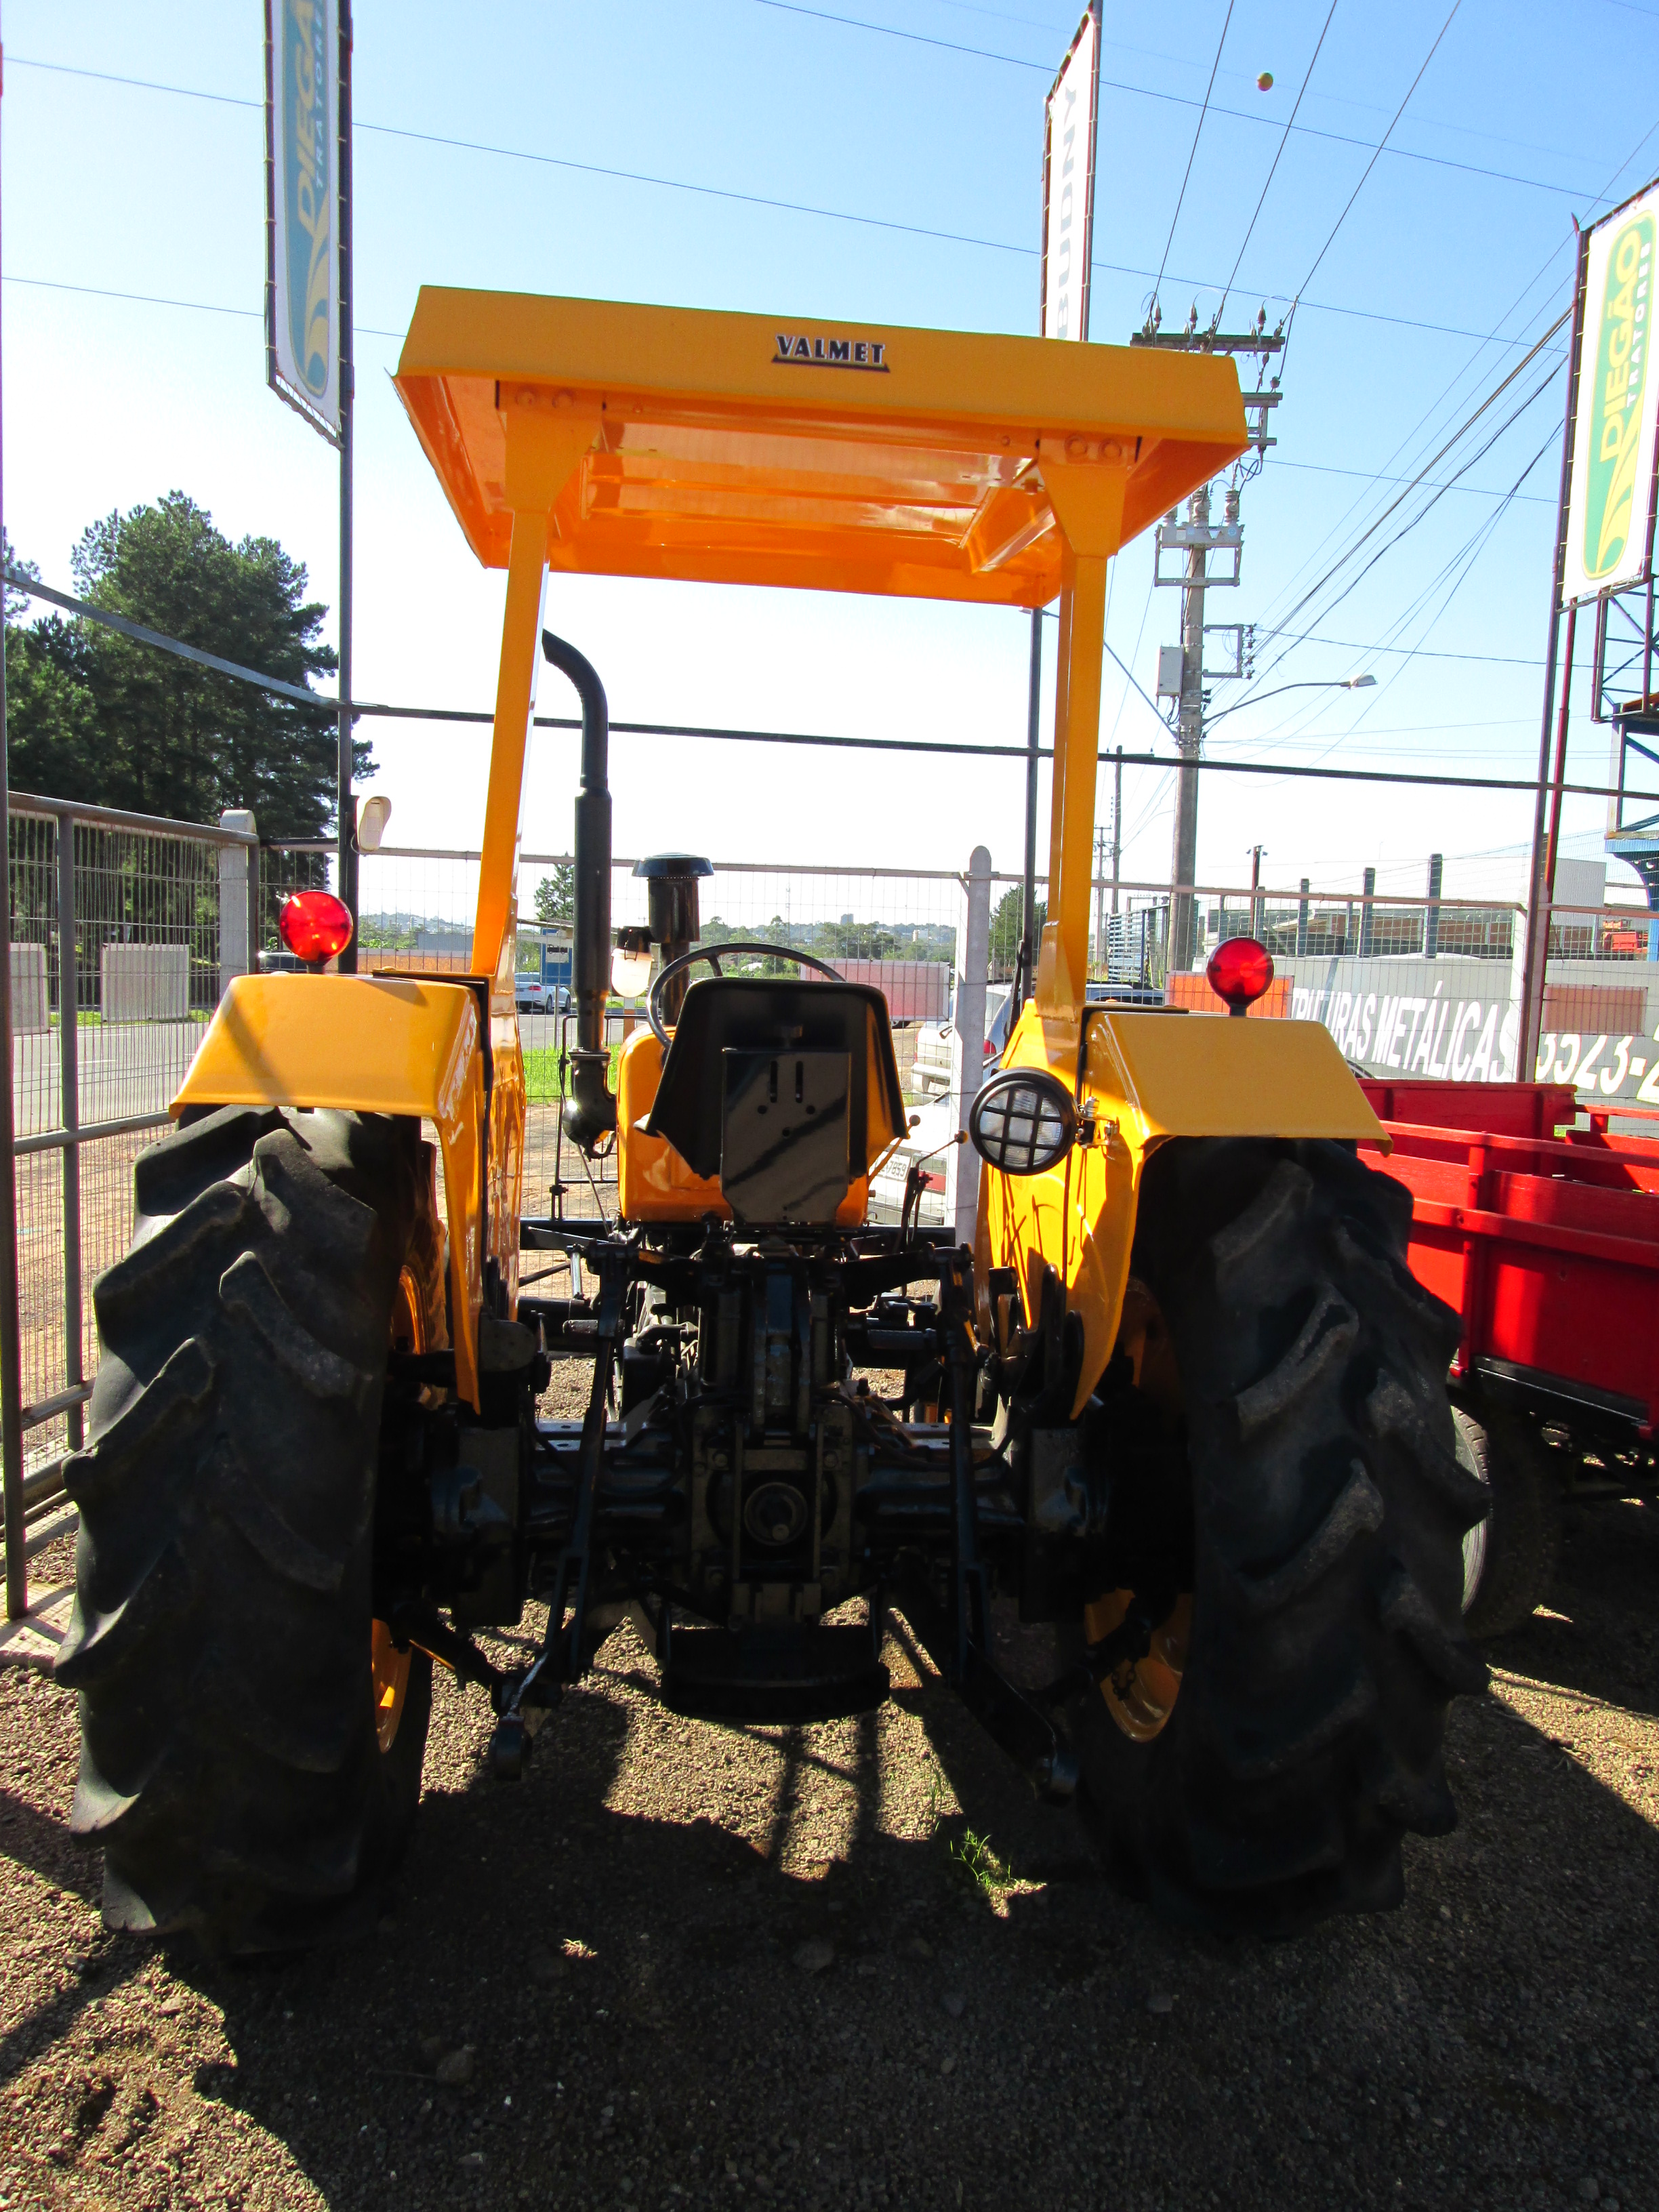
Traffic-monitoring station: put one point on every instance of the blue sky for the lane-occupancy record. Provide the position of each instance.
(1455, 258)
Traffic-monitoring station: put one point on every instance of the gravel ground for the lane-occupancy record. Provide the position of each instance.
(683, 1965)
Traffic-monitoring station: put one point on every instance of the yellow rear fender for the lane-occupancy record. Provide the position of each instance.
(1148, 1077)
(377, 1045)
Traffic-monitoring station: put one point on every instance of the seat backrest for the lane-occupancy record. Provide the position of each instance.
(726, 1013)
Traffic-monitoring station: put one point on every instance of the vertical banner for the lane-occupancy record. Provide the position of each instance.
(302, 208)
(1068, 184)
(1610, 502)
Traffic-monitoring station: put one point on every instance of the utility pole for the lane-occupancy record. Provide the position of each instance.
(1198, 538)
(345, 798)
(1117, 827)
(1100, 900)
(1189, 732)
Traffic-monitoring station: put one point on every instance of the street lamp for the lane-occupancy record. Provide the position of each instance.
(1313, 683)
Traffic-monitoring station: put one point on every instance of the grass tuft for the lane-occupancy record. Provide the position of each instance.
(990, 1873)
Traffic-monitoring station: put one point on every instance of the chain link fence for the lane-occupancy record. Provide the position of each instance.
(118, 958)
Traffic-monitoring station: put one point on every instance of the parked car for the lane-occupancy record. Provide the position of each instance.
(935, 1125)
(531, 996)
(932, 1061)
(934, 1044)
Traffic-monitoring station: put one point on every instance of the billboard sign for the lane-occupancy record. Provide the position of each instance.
(302, 208)
(1610, 502)
(1068, 184)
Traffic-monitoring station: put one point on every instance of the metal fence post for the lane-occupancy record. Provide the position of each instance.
(11, 1378)
(1365, 912)
(1431, 911)
(1302, 921)
(968, 1042)
(68, 1115)
(11, 1353)
(237, 948)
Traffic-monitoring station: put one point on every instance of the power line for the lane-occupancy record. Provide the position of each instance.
(1457, 569)
(1379, 478)
(1475, 545)
(911, 37)
(159, 300)
(1198, 132)
(1113, 84)
(1170, 98)
(1371, 477)
(372, 710)
(1113, 268)
(1492, 337)
(1377, 155)
(1430, 504)
(1395, 504)
(1284, 141)
(716, 191)
(1353, 645)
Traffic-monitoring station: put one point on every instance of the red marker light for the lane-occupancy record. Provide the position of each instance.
(1240, 971)
(314, 925)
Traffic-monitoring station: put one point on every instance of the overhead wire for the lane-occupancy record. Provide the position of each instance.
(1284, 140)
(1494, 337)
(1375, 157)
(84, 610)
(1413, 440)
(1191, 156)
(1380, 478)
(1370, 476)
(683, 185)
(1170, 99)
(1452, 574)
(1133, 91)
(1422, 474)
(1435, 497)
(832, 214)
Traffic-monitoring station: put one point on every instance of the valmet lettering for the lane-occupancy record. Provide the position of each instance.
(796, 350)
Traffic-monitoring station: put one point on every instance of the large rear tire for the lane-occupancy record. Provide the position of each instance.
(1304, 1738)
(251, 1750)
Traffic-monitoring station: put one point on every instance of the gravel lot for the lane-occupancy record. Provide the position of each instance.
(684, 1965)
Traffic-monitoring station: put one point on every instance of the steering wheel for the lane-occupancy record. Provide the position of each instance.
(713, 956)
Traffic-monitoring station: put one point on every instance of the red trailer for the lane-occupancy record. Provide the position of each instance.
(915, 990)
(1545, 1238)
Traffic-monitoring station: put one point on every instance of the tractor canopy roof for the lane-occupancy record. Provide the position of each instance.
(744, 449)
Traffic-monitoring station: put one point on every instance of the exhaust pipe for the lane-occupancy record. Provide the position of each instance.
(590, 1111)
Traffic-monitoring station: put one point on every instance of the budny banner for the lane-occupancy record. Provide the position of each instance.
(1069, 186)
(302, 301)
(1610, 499)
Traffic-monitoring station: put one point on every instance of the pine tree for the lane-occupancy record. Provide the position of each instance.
(97, 716)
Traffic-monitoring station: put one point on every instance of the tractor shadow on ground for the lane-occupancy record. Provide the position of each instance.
(636, 1920)
(1597, 1636)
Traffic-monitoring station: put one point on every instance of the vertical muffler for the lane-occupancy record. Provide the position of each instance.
(590, 1111)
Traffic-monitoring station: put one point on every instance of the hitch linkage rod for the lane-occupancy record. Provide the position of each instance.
(563, 1655)
(955, 1635)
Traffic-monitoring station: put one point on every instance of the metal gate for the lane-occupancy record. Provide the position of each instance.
(125, 929)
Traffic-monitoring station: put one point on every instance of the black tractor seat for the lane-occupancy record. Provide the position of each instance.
(787, 1091)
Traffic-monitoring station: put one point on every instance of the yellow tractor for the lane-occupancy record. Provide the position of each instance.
(1183, 1402)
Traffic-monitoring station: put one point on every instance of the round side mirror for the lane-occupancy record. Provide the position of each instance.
(1024, 1122)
